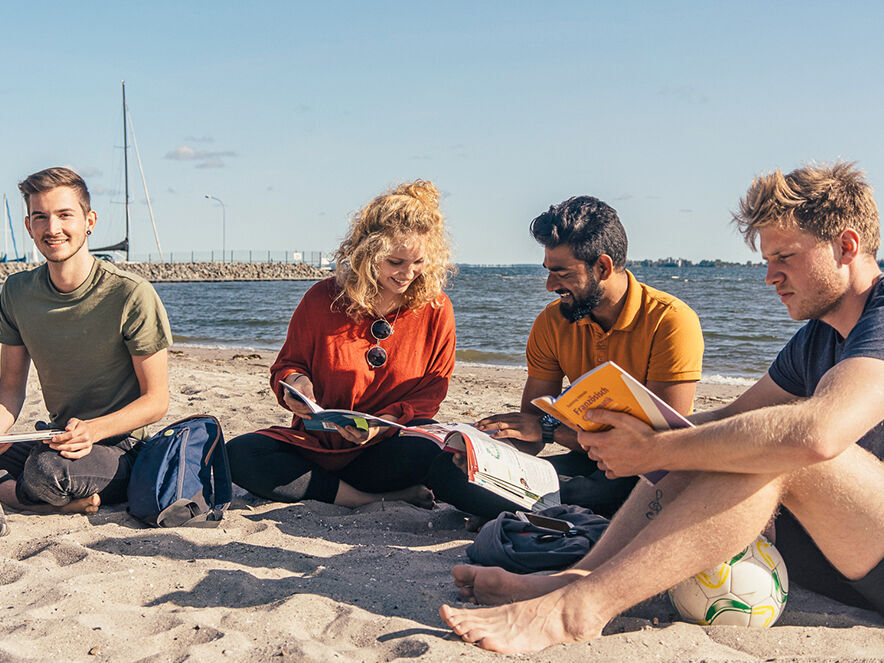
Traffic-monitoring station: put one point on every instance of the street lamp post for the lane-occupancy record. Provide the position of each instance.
(223, 226)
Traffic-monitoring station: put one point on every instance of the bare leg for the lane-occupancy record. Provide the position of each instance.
(82, 505)
(418, 495)
(494, 586)
(713, 517)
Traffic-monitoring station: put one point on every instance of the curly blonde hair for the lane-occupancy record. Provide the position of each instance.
(407, 213)
(822, 200)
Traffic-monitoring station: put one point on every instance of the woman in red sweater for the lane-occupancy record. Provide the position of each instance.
(378, 338)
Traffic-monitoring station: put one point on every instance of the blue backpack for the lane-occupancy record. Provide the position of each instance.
(181, 476)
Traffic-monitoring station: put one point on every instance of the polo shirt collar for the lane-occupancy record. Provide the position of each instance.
(631, 308)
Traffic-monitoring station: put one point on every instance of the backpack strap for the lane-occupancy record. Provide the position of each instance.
(222, 483)
(188, 513)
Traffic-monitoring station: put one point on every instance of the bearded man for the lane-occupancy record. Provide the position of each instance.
(603, 313)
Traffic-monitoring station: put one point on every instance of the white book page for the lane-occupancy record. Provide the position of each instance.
(505, 463)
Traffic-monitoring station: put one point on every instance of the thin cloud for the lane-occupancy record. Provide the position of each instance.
(200, 139)
(211, 163)
(686, 210)
(206, 159)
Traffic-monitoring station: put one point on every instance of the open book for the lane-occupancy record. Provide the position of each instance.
(609, 387)
(322, 419)
(496, 465)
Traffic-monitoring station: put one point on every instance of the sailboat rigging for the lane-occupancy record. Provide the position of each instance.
(123, 245)
(9, 232)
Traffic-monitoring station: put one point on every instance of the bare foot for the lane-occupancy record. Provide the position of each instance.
(83, 505)
(474, 523)
(527, 626)
(349, 496)
(418, 495)
(493, 585)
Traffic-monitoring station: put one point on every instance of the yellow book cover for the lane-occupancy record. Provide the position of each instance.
(609, 387)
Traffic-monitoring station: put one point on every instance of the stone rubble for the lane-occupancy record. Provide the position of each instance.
(158, 272)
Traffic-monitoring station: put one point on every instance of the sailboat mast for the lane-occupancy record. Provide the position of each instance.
(126, 168)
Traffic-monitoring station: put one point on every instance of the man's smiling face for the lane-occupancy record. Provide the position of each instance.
(573, 281)
(57, 223)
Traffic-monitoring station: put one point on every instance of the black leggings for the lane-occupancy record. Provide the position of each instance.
(277, 471)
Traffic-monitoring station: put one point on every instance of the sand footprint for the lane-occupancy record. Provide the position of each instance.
(64, 554)
(11, 571)
(409, 648)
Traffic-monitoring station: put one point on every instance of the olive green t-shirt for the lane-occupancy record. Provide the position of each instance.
(82, 342)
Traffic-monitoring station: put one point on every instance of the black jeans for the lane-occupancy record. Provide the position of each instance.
(277, 471)
(44, 476)
(582, 483)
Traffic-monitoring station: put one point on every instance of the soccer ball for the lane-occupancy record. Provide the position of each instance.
(749, 590)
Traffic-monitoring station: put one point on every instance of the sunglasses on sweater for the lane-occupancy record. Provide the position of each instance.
(381, 329)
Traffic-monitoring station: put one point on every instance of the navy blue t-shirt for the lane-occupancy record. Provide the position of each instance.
(816, 347)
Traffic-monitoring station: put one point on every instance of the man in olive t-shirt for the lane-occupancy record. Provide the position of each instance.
(97, 336)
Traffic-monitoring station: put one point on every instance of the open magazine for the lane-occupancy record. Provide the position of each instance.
(496, 465)
(609, 387)
(322, 419)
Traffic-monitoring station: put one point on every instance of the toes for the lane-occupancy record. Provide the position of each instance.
(464, 575)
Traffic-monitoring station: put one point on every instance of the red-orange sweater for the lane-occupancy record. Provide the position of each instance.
(329, 347)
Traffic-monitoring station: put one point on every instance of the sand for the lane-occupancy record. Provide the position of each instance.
(316, 582)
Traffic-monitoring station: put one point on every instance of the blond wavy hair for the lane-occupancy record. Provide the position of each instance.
(821, 200)
(406, 214)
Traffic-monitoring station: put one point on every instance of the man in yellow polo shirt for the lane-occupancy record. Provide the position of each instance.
(603, 313)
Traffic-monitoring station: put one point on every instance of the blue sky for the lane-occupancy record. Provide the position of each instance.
(296, 114)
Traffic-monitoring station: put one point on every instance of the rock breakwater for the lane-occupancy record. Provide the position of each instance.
(163, 272)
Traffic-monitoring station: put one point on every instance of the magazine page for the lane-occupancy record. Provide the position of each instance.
(441, 434)
(310, 403)
(322, 419)
(326, 420)
(506, 471)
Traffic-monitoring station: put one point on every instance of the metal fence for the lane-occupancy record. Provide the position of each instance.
(315, 258)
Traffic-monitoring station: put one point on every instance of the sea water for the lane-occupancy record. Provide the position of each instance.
(744, 324)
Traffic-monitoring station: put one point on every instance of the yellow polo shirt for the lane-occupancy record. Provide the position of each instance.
(656, 337)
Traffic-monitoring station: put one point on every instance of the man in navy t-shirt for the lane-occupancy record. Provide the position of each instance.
(804, 445)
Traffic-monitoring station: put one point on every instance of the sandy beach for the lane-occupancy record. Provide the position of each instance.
(316, 582)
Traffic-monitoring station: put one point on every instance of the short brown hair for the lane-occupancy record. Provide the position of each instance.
(408, 211)
(52, 178)
(822, 200)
